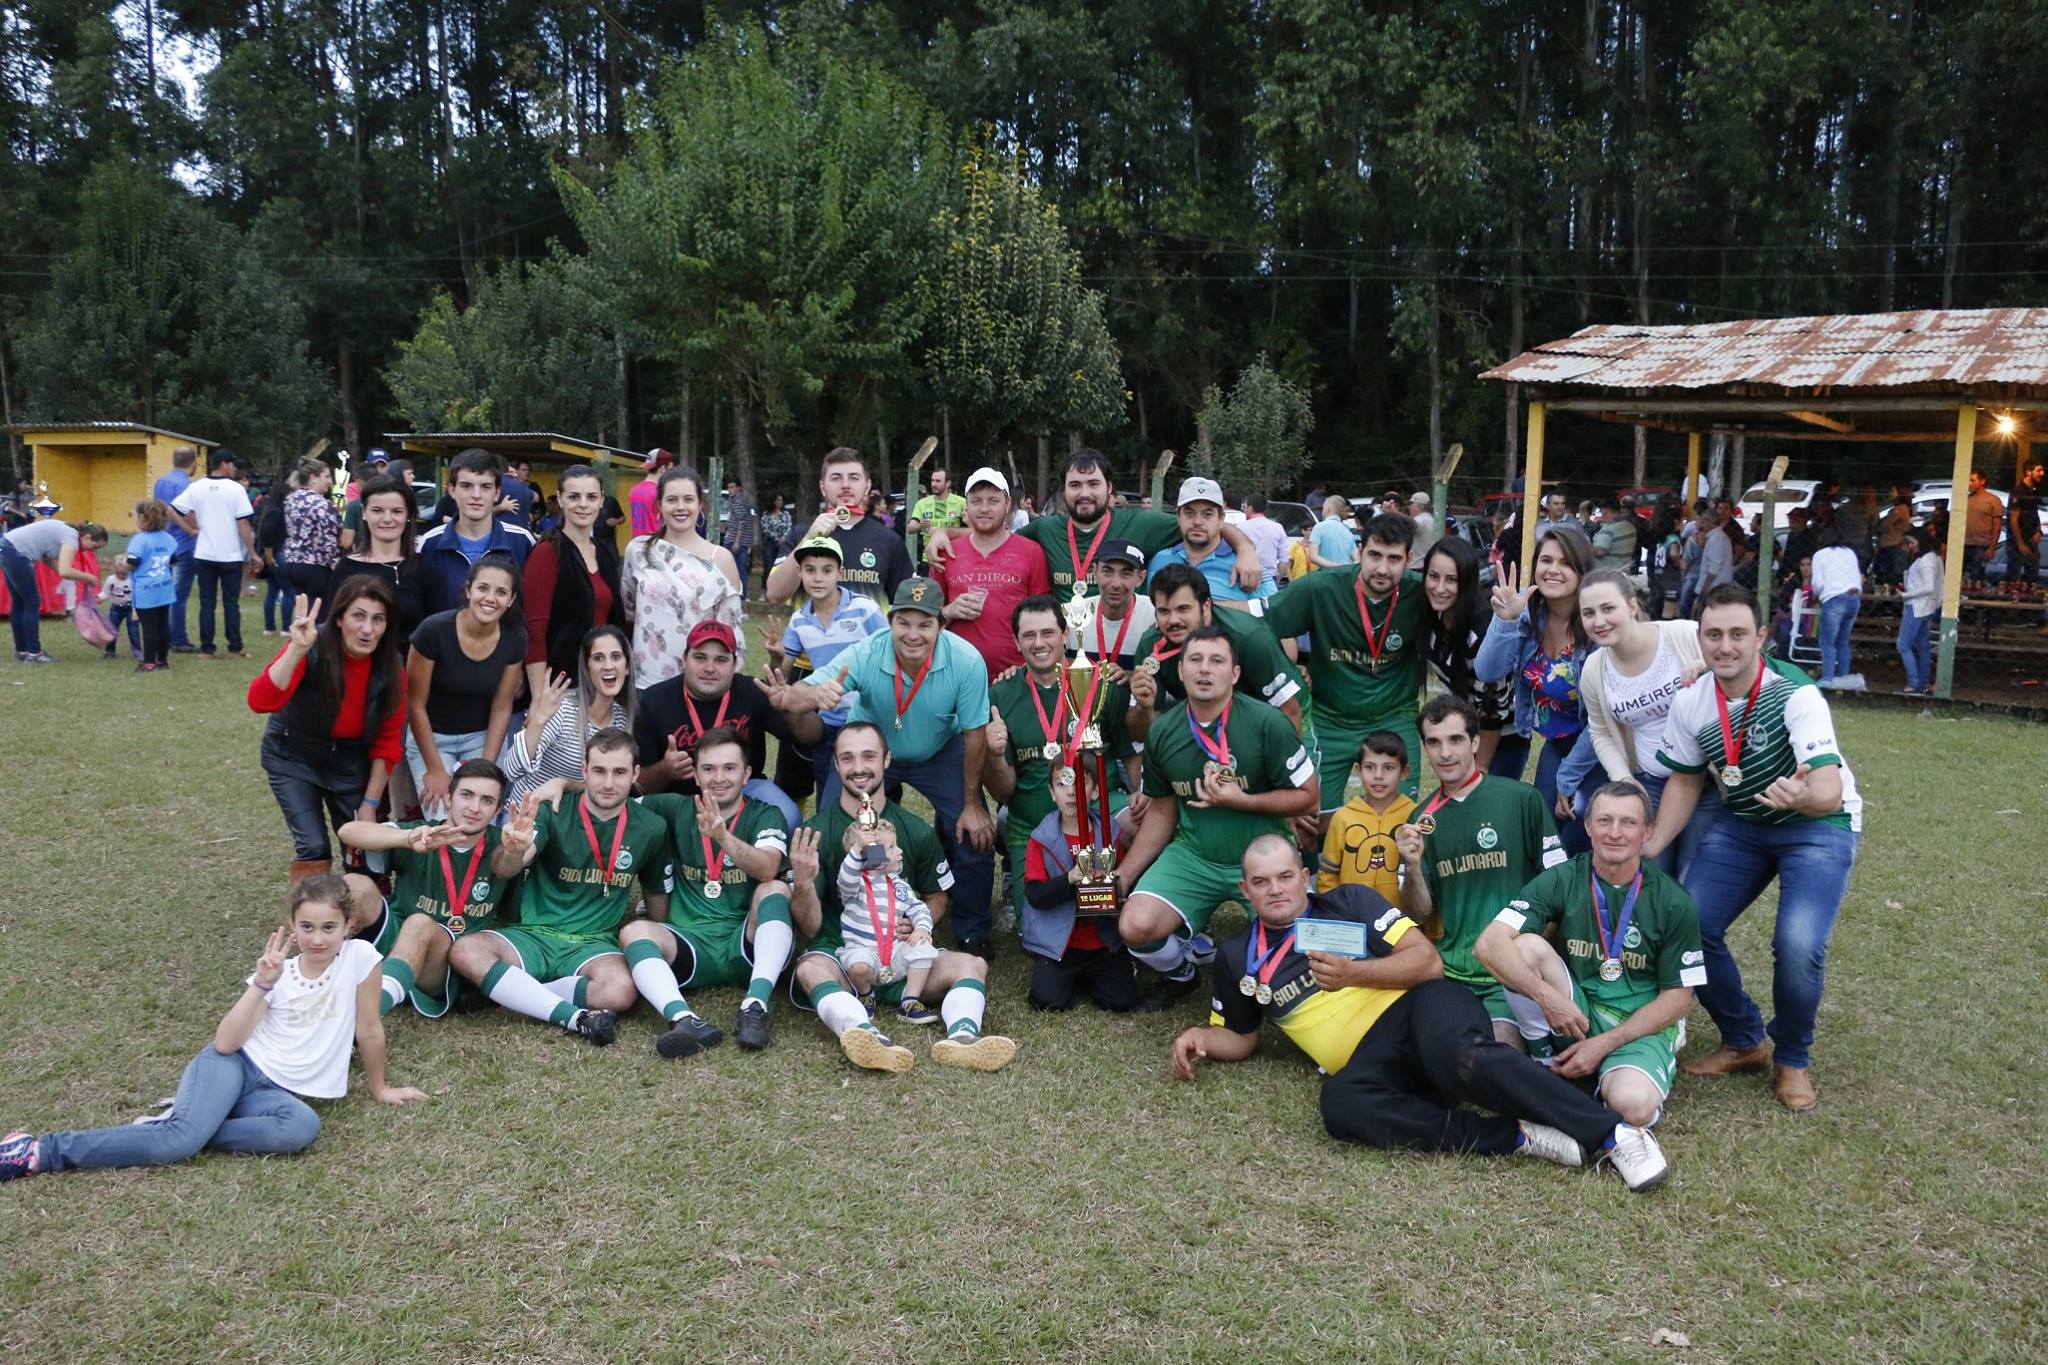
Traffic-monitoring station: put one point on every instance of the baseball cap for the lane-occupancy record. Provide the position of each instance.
(1419, 500)
(987, 474)
(1125, 550)
(1199, 489)
(711, 631)
(818, 545)
(378, 457)
(658, 458)
(918, 594)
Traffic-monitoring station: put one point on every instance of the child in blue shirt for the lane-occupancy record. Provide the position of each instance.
(831, 620)
(149, 552)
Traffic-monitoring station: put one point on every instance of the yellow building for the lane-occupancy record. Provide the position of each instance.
(548, 452)
(98, 471)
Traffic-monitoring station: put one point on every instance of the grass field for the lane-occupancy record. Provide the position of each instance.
(558, 1203)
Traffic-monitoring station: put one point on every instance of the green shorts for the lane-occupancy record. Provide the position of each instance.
(1339, 756)
(549, 957)
(1655, 1054)
(708, 955)
(891, 994)
(1190, 883)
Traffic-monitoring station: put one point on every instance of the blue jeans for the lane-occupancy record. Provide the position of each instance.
(224, 1102)
(1572, 833)
(277, 601)
(1736, 861)
(184, 568)
(1837, 617)
(117, 617)
(25, 600)
(1916, 647)
(1678, 857)
(1688, 589)
(455, 750)
(1510, 756)
(942, 781)
(224, 581)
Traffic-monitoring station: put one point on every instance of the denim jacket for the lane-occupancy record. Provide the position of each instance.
(1502, 657)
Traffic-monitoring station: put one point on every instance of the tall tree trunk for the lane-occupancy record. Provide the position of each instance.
(1144, 428)
(621, 437)
(345, 384)
(946, 432)
(1436, 376)
(1044, 468)
(881, 454)
(686, 449)
(743, 443)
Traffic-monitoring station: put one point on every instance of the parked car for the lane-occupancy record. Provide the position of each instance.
(1791, 493)
(1295, 518)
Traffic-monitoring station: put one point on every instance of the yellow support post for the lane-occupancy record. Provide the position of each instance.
(1958, 528)
(1692, 471)
(1532, 489)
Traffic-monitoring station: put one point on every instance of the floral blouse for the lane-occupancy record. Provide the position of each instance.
(668, 590)
(312, 533)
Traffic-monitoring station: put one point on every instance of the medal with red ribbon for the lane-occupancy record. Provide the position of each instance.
(458, 896)
(904, 699)
(1053, 728)
(1731, 738)
(714, 856)
(1612, 944)
(1375, 642)
(1426, 822)
(607, 865)
(1081, 565)
(884, 926)
(1261, 962)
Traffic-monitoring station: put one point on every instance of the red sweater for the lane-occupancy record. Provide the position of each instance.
(389, 741)
(537, 598)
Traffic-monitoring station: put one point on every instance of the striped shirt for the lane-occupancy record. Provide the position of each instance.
(861, 890)
(559, 753)
(1792, 726)
(811, 645)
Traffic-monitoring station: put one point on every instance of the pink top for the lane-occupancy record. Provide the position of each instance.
(1015, 570)
(641, 508)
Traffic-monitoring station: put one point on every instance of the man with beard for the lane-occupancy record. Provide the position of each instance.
(1181, 605)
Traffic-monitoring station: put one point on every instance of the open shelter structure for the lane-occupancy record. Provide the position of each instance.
(1933, 376)
(100, 470)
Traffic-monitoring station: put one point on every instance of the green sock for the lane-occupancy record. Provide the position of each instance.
(397, 985)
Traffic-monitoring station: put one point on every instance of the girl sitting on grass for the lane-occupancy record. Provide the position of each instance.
(287, 1037)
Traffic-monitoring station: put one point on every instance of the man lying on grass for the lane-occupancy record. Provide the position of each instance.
(1403, 1048)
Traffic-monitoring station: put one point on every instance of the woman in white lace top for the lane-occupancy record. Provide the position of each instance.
(676, 578)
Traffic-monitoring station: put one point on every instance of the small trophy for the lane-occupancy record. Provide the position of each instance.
(1096, 894)
(869, 819)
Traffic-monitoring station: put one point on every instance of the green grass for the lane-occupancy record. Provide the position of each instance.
(558, 1203)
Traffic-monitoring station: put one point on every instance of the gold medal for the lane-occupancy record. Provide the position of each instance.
(1227, 774)
(1052, 751)
(1212, 772)
(843, 516)
(1731, 776)
(713, 890)
(1426, 823)
(1246, 985)
(456, 924)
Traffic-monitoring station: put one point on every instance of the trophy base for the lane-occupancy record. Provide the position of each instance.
(1096, 898)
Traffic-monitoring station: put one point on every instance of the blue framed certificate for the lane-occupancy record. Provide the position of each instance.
(1337, 937)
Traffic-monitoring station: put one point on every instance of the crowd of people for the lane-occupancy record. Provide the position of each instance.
(545, 765)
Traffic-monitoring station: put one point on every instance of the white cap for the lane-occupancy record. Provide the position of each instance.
(987, 474)
(1420, 500)
(1199, 489)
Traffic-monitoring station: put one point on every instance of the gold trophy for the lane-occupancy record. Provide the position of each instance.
(1096, 893)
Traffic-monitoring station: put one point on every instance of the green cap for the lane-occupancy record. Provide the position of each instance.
(823, 545)
(919, 594)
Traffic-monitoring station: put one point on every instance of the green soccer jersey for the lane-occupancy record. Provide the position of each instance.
(1264, 672)
(1032, 801)
(1660, 949)
(759, 824)
(1264, 749)
(1153, 531)
(566, 889)
(1484, 850)
(1792, 726)
(924, 861)
(419, 884)
(1350, 687)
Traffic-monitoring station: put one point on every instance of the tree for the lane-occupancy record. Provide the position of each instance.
(160, 313)
(1256, 437)
(528, 354)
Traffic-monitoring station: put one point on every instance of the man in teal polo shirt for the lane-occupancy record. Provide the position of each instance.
(927, 690)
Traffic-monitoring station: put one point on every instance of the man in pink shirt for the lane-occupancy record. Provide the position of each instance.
(640, 502)
(989, 572)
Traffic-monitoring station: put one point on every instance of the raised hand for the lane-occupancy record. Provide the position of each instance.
(1509, 604)
(518, 835)
(710, 823)
(305, 627)
(1408, 843)
(831, 691)
(777, 687)
(1145, 688)
(803, 855)
(678, 763)
(549, 699)
(270, 966)
(998, 736)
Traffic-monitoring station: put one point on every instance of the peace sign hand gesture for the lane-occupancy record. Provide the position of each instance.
(1508, 604)
(305, 625)
(710, 823)
(270, 966)
(518, 836)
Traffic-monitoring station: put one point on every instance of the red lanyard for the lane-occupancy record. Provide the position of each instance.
(1264, 963)
(902, 701)
(714, 870)
(597, 847)
(698, 721)
(1219, 748)
(1081, 566)
(1731, 741)
(1375, 643)
(1162, 653)
(885, 930)
(459, 896)
(1055, 729)
(1123, 628)
(1445, 794)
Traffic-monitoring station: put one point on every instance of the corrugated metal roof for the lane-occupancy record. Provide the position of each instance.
(484, 438)
(25, 428)
(1939, 349)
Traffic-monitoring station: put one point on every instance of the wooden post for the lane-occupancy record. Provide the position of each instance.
(1767, 537)
(1440, 490)
(1159, 480)
(714, 494)
(1532, 488)
(1958, 528)
(1692, 471)
(915, 542)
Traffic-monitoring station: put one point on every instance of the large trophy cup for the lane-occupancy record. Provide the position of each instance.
(1096, 893)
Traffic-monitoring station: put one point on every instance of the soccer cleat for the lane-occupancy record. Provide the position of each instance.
(1549, 1144)
(866, 1047)
(1201, 950)
(988, 1052)
(1637, 1156)
(750, 1030)
(1167, 992)
(19, 1156)
(599, 1026)
(688, 1036)
(915, 1011)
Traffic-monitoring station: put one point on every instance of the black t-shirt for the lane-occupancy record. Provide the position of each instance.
(459, 702)
(876, 559)
(2026, 505)
(664, 713)
(406, 580)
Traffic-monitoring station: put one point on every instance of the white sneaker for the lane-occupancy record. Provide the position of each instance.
(1550, 1144)
(1638, 1157)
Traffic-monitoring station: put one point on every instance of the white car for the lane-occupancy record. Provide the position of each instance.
(1931, 496)
(1791, 493)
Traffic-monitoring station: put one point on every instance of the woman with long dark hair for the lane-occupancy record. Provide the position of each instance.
(461, 679)
(675, 578)
(571, 581)
(384, 548)
(568, 709)
(1537, 643)
(312, 533)
(1456, 624)
(335, 695)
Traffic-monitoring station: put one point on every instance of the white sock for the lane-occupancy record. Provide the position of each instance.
(772, 942)
(394, 992)
(839, 1012)
(657, 983)
(563, 988)
(1169, 957)
(520, 993)
(960, 1011)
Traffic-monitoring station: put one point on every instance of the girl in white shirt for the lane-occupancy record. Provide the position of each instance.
(1920, 610)
(287, 1037)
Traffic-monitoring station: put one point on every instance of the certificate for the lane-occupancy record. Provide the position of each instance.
(1337, 937)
